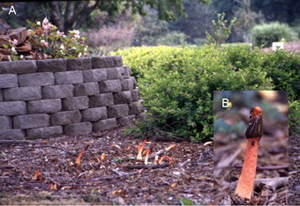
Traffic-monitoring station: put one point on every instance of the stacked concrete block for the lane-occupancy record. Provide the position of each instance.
(54, 97)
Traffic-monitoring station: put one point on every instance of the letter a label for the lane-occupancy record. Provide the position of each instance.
(12, 10)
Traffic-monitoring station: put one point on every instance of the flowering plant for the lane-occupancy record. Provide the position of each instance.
(48, 42)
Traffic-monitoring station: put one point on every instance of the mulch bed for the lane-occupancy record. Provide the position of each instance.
(112, 180)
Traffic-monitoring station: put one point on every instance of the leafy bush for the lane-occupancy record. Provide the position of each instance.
(177, 84)
(173, 38)
(265, 34)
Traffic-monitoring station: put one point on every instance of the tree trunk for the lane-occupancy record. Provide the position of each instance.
(56, 15)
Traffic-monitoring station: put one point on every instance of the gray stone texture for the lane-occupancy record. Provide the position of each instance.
(141, 117)
(105, 124)
(12, 108)
(74, 103)
(107, 62)
(127, 84)
(44, 106)
(57, 91)
(78, 128)
(100, 100)
(12, 133)
(135, 94)
(22, 93)
(135, 108)
(1, 95)
(94, 114)
(124, 97)
(18, 67)
(110, 86)
(133, 82)
(123, 121)
(8, 80)
(120, 110)
(69, 77)
(36, 79)
(86, 89)
(52, 65)
(65, 118)
(115, 73)
(31, 121)
(94, 75)
(5, 123)
(79, 64)
(127, 71)
(44, 133)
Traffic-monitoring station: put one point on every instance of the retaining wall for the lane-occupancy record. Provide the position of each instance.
(49, 98)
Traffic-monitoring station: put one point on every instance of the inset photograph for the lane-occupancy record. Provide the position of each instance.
(251, 160)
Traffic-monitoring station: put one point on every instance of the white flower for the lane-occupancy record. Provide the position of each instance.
(85, 49)
(73, 47)
(42, 41)
(45, 21)
(62, 46)
(80, 54)
(38, 23)
(21, 56)
(13, 50)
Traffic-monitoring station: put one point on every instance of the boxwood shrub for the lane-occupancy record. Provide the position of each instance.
(177, 84)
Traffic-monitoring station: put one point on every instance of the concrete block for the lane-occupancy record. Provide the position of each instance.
(12, 108)
(31, 121)
(36, 79)
(133, 82)
(44, 106)
(128, 120)
(57, 91)
(65, 118)
(127, 71)
(78, 128)
(107, 62)
(105, 124)
(74, 103)
(135, 108)
(12, 133)
(8, 80)
(86, 89)
(100, 100)
(79, 64)
(124, 97)
(18, 67)
(94, 75)
(52, 65)
(110, 86)
(69, 77)
(22, 93)
(44, 133)
(127, 84)
(115, 73)
(135, 94)
(120, 110)
(94, 114)
(5, 123)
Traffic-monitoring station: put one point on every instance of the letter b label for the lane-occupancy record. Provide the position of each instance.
(225, 102)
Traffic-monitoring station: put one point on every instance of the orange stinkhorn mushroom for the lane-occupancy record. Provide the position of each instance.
(253, 133)
(81, 153)
(139, 156)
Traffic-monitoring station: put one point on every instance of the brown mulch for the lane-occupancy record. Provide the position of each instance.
(294, 169)
(109, 181)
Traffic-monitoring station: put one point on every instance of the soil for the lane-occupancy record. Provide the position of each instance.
(104, 180)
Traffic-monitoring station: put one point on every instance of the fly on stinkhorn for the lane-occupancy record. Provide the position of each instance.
(253, 133)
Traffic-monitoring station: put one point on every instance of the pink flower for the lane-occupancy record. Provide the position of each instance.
(15, 41)
(45, 44)
(45, 21)
(73, 39)
(199, 68)
(192, 124)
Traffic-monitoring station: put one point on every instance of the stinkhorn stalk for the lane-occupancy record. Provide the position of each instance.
(253, 133)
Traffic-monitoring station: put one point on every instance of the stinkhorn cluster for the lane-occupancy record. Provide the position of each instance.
(253, 133)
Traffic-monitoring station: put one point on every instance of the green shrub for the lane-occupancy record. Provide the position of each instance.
(265, 34)
(177, 85)
(173, 38)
